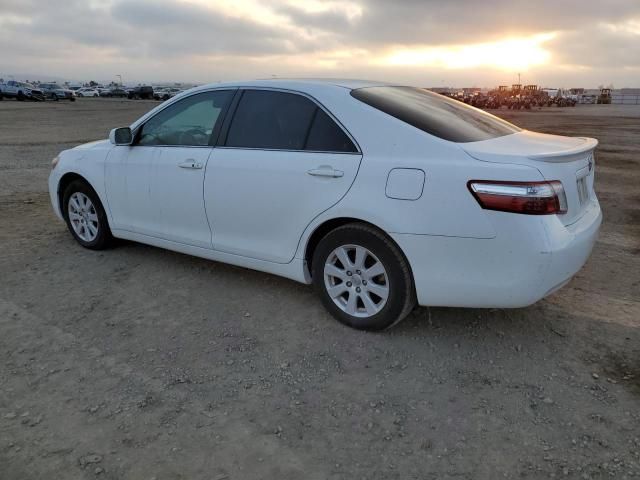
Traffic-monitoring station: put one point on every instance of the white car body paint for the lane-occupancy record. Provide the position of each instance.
(259, 208)
(280, 197)
(151, 195)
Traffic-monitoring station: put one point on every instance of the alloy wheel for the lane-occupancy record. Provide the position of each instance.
(356, 280)
(83, 217)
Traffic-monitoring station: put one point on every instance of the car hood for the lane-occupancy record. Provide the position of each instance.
(530, 145)
(93, 145)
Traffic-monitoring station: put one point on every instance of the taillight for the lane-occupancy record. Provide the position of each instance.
(531, 198)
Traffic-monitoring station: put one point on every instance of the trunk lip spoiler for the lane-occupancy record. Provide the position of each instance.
(567, 155)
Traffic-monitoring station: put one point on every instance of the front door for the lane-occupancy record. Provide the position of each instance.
(155, 186)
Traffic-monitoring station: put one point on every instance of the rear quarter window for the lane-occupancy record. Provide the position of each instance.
(325, 136)
(435, 114)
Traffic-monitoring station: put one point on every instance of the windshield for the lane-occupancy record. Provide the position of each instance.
(435, 114)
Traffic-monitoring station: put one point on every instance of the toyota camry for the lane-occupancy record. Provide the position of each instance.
(381, 196)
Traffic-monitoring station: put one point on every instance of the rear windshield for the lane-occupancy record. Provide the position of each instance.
(435, 114)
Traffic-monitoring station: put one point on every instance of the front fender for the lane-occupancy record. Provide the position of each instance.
(84, 162)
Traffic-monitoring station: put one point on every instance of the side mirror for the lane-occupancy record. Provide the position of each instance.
(121, 136)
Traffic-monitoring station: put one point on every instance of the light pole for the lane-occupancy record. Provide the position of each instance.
(120, 77)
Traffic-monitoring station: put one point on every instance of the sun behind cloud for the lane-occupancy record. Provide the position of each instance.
(509, 54)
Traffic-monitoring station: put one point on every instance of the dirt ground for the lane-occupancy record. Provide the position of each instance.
(139, 363)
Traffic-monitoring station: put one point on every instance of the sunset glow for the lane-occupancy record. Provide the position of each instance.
(415, 42)
(509, 54)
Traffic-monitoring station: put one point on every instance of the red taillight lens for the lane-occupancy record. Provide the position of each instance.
(531, 198)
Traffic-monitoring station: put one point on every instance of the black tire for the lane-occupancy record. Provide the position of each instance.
(20, 97)
(56, 98)
(401, 298)
(103, 238)
(73, 99)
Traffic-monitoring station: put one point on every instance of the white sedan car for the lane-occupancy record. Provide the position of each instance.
(87, 92)
(381, 196)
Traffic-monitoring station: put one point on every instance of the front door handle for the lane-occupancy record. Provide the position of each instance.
(326, 171)
(191, 163)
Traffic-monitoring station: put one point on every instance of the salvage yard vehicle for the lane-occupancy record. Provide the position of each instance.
(142, 92)
(114, 92)
(54, 91)
(165, 93)
(20, 91)
(382, 196)
(87, 92)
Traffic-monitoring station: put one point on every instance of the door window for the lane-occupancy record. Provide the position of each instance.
(188, 122)
(284, 121)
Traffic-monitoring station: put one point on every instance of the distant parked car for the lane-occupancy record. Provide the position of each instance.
(165, 93)
(87, 92)
(56, 92)
(20, 91)
(144, 92)
(115, 92)
(160, 93)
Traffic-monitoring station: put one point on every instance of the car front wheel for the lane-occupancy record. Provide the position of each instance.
(363, 278)
(85, 216)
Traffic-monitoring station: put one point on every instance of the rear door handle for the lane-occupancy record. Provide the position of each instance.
(191, 163)
(326, 171)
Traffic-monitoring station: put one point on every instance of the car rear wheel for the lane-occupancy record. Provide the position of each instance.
(363, 278)
(85, 216)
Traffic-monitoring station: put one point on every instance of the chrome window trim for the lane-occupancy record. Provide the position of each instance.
(328, 152)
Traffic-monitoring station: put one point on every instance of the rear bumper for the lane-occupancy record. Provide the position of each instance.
(530, 258)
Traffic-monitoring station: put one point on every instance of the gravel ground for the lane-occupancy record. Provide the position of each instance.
(139, 363)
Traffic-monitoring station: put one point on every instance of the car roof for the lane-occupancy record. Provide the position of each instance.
(301, 84)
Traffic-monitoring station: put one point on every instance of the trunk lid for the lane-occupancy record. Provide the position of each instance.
(568, 159)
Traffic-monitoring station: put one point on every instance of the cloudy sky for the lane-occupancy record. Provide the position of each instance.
(422, 42)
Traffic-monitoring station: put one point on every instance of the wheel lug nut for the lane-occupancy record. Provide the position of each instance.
(349, 273)
(349, 284)
(358, 272)
(364, 282)
(358, 289)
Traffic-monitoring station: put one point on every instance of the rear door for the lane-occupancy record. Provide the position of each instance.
(281, 160)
